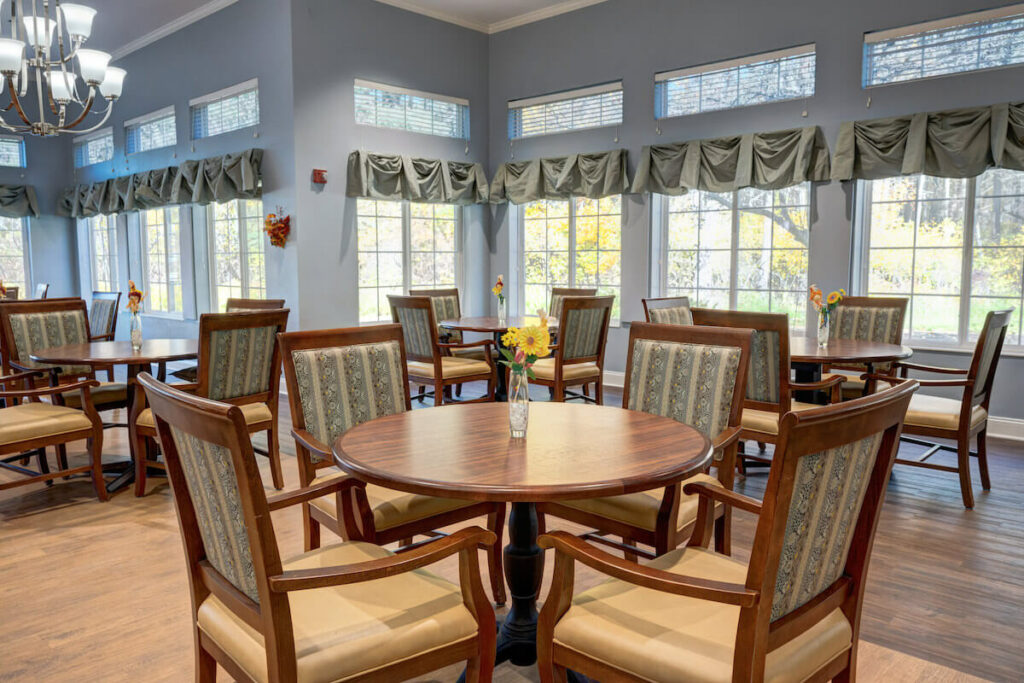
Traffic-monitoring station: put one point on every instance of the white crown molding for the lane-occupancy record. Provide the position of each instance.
(170, 27)
(503, 25)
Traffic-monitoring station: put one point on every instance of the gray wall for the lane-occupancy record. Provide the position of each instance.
(633, 39)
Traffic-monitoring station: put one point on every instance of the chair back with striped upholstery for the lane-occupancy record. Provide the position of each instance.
(818, 519)
(583, 329)
(419, 326)
(103, 315)
(768, 376)
(42, 289)
(234, 305)
(986, 355)
(446, 307)
(239, 361)
(11, 294)
(338, 379)
(695, 375)
(669, 310)
(33, 325)
(558, 295)
(869, 318)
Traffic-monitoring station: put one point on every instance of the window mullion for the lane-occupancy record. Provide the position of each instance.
(243, 247)
(572, 242)
(966, 262)
(734, 251)
(406, 247)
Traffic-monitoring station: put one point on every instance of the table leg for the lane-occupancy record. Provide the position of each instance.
(869, 386)
(501, 389)
(524, 568)
(807, 373)
(128, 476)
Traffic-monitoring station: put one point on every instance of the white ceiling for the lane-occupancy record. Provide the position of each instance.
(491, 16)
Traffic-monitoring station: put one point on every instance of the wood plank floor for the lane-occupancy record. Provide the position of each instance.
(92, 591)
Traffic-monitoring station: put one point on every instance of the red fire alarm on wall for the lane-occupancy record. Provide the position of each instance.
(319, 176)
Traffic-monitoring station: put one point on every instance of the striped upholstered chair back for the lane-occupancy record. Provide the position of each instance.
(34, 325)
(866, 318)
(419, 326)
(338, 379)
(986, 355)
(234, 305)
(103, 315)
(768, 376)
(583, 329)
(239, 360)
(558, 295)
(446, 307)
(671, 310)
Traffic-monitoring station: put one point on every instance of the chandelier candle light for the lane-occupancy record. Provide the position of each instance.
(521, 348)
(826, 308)
(45, 44)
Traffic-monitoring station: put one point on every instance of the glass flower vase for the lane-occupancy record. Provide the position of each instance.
(823, 328)
(502, 311)
(135, 329)
(518, 403)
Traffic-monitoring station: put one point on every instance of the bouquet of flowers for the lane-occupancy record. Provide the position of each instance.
(135, 297)
(277, 227)
(524, 345)
(3, 290)
(499, 289)
(828, 305)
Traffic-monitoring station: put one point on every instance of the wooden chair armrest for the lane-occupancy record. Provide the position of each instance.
(829, 383)
(467, 345)
(109, 336)
(717, 493)
(311, 492)
(313, 444)
(463, 540)
(928, 368)
(21, 376)
(48, 391)
(726, 438)
(647, 577)
(923, 382)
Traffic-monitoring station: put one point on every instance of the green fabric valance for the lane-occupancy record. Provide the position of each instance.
(216, 179)
(768, 161)
(595, 175)
(18, 201)
(396, 176)
(957, 143)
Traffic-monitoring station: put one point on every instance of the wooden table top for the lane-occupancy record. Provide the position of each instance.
(570, 451)
(806, 350)
(119, 352)
(491, 324)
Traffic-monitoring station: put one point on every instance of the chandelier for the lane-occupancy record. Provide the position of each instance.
(30, 55)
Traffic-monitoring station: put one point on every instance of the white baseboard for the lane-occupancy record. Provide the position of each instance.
(614, 379)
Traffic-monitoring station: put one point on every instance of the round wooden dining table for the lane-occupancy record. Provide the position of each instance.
(570, 451)
(101, 354)
(497, 328)
(807, 358)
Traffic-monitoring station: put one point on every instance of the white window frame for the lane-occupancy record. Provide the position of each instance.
(89, 137)
(243, 253)
(407, 255)
(135, 124)
(252, 84)
(114, 249)
(23, 161)
(929, 27)
(173, 312)
(26, 255)
(460, 102)
(516, 107)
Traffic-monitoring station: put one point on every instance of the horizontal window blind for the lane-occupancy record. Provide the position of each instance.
(386, 106)
(94, 148)
(12, 151)
(151, 131)
(969, 42)
(757, 79)
(592, 107)
(226, 110)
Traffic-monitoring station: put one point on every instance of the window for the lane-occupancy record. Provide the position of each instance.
(599, 105)
(744, 250)
(955, 247)
(237, 251)
(151, 131)
(766, 77)
(575, 243)
(103, 241)
(94, 148)
(14, 253)
(969, 42)
(161, 259)
(12, 151)
(403, 245)
(386, 106)
(226, 110)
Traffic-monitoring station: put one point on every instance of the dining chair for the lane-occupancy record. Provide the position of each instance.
(956, 419)
(769, 384)
(103, 321)
(558, 295)
(427, 358)
(29, 425)
(791, 614)
(338, 379)
(41, 290)
(865, 318)
(578, 357)
(348, 611)
(11, 293)
(694, 375)
(239, 363)
(447, 307)
(669, 310)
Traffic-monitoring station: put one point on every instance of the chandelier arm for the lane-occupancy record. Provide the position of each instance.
(106, 115)
(85, 111)
(17, 103)
(13, 129)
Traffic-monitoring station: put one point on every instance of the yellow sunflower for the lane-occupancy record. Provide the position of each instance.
(510, 338)
(833, 298)
(534, 341)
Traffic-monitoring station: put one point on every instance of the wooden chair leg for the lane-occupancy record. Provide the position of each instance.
(274, 454)
(599, 392)
(495, 569)
(458, 391)
(95, 448)
(585, 390)
(141, 460)
(419, 394)
(438, 392)
(723, 532)
(559, 393)
(206, 665)
(44, 464)
(986, 483)
(62, 456)
(632, 557)
(963, 456)
(310, 530)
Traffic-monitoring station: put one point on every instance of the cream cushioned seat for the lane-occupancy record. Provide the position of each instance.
(545, 369)
(252, 412)
(662, 637)
(106, 392)
(391, 508)
(451, 367)
(767, 422)
(34, 420)
(935, 411)
(344, 631)
(475, 353)
(641, 509)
